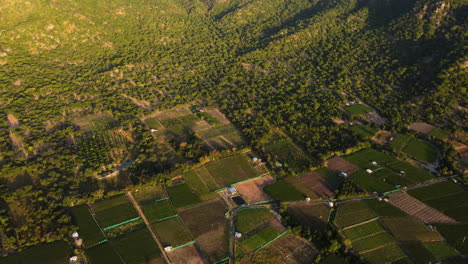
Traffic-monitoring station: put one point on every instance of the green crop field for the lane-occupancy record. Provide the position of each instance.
(149, 194)
(290, 155)
(284, 192)
(114, 215)
(332, 178)
(208, 224)
(194, 181)
(410, 172)
(371, 182)
(372, 242)
(400, 142)
(217, 131)
(441, 250)
(421, 150)
(259, 239)
(364, 158)
(418, 252)
(357, 109)
(182, 196)
(103, 253)
(351, 213)
(87, 227)
(314, 216)
(387, 254)
(153, 123)
(365, 131)
(456, 235)
(208, 179)
(435, 191)
(447, 197)
(439, 133)
(155, 211)
(57, 252)
(410, 229)
(248, 220)
(231, 170)
(364, 230)
(382, 208)
(137, 247)
(171, 232)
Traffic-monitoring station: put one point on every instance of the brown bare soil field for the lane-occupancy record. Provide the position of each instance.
(338, 121)
(12, 121)
(382, 137)
(315, 182)
(462, 149)
(374, 117)
(209, 226)
(314, 216)
(252, 191)
(289, 249)
(421, 128)
(341, 165)
(418, 209)
(187, 255)
(218, 116)
(276, 224)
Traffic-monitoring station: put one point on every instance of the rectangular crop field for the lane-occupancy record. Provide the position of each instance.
(57, 252)
(387, 254)
(357, 109)
(351, 213)
(331, 178)
(410, 229)
(157, 210)
(456, 235)
(249, 219)
(103, 253)
(314, 216)
(217, 131)
(400, 142)
(284, 192)
(153, 123)
(290, 249)
(114, 211)
(252, 191)
(435, 191)
(371, 182)
(418, 252)
(171, 232)
(364, 158)
(315, 183)
(149, 194)
(182, 196)
(365, 131)
(382, 208)
(290, 154)
(88, 229)
(137, 247)
(441, 250)
(259, 239)
(371, 242)
(439, 134)
(208, 224)
(364, 230)
(195, 182)
(411, 173)
(296, 182)
(421, 150)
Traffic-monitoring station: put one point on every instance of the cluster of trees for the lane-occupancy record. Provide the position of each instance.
(268, 65)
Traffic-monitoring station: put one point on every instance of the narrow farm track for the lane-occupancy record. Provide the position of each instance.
(155, 237)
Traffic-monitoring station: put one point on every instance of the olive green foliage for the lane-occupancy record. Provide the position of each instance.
(266, 64)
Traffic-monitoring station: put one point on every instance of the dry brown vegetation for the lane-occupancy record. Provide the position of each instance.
(421, 128)
(382, 137)
(341, 165)
(252, 191)
(187, 255)
(12, 121)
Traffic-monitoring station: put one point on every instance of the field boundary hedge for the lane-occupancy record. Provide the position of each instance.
(183, 245)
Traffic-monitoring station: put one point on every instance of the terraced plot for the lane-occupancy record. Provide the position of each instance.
(314, 216)
(351, 213)
(288, 249)
(410, 229)
(388, 254)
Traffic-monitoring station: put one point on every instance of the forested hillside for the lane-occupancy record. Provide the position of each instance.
(269, 65)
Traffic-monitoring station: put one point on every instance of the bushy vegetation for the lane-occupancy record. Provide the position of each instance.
(268, 65)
